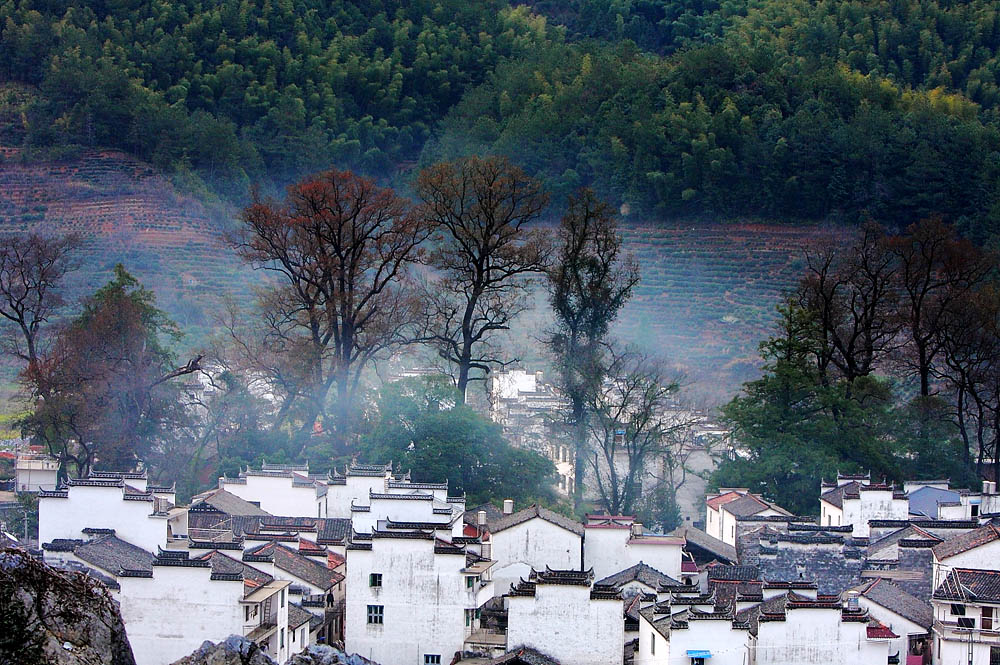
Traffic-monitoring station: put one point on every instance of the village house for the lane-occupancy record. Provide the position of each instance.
(413, 597)
(907, 616)
(138, 514)
(280, 489)
(614, 542)
(564, 615)
(34, 469)
(723, 509)
(526, 406)
(531, 539)
(966, 615)
(855, 500)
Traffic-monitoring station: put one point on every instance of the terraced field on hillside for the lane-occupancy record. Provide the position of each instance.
(706, 299)
(124, 212)
(708, 294)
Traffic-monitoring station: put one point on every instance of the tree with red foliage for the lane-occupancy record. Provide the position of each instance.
(343, 248)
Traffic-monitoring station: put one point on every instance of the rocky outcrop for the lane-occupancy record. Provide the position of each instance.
(53, 617)
(236, 650)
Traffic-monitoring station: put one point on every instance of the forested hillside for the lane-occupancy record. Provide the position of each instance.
(781, 109)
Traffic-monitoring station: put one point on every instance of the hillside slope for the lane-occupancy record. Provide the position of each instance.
(706, 298)
(124, 212)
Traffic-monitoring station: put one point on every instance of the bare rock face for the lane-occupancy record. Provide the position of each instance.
(52, 617)
(236, 650)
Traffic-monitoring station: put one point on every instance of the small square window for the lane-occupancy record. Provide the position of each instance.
(958, 610)
(375, 614)
(432, 659)
(994, 655)
(470, 582)
(375, 579)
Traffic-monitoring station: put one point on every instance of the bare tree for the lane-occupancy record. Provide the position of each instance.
(851, 294)
(589, 282)
(32, 270)
(342, 247)
(936, 271)
(486, 257)
(629, 427)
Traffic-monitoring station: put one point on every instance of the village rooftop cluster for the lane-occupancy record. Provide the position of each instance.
(404, 573)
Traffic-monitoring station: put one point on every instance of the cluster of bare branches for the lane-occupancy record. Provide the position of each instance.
(922, 305)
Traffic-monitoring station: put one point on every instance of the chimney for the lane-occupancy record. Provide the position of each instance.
(481, 518)
(508, 506)
(636, 529)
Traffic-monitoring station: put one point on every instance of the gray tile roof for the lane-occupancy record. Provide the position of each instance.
(114, 555)
(968, 585)
(297, 616)
(524, 656)
(714, 546)
(836, 496)
(745, 506)
(966, 541)
(531, 512)
(224, 566)
(228, 503)
(640, 572)
(888, 595)
(295, 564)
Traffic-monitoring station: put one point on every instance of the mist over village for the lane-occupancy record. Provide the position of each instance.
(571, 332)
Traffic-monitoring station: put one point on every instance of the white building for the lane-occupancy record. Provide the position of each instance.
(524, 405)
(725, 508)
(138, 515)
(855, 500)
(35, 470)
(412, 597)
(783, 628)
(532, 539)
(615, 542)
(279, 489)
(907, 616)
(560, 613)
(966, 615)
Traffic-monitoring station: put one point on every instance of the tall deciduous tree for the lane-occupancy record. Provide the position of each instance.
(32, 270)
(105, 395)
(630, 427)
(343, 248)
(936, 270)
(486, 257)
(850, 292)
(589, 282)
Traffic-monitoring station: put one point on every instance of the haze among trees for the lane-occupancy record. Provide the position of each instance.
(884, 361)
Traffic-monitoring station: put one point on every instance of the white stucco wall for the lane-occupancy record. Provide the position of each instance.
(101, 507)
(727, 646)
(830, 515)
(276, 495)
(563, 622)
(812, 636)
(897, 623)
(423, 596)
(873, 505)
(610, 550)
(29, 479)
(169, 616)
(647, 653)
(534, 543)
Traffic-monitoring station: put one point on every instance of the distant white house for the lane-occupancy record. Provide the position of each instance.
(34, 469)
(724, 508)
(615, 542)
(855, 500)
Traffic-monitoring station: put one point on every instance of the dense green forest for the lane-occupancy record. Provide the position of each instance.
(770, 108)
